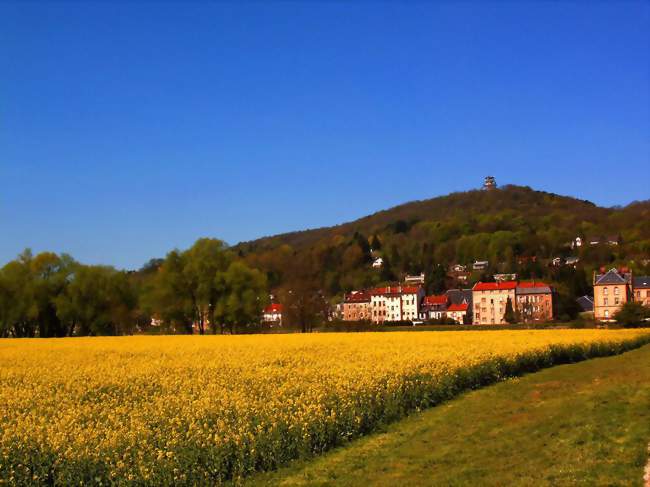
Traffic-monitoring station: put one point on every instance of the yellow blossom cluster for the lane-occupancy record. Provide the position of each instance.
(200, 410)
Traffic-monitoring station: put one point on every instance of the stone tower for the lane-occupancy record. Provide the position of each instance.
(489, 183)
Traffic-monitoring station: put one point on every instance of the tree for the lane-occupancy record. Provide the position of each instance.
(632, 314)
(245, 295)
(510, 316)
(98, 301)
(186, 290)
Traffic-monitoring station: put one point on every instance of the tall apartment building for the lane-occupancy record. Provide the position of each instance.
(489, 301)
(395, 303)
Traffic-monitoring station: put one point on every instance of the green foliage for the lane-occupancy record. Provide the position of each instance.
(632, 314)
(499, 226)
(510, 316)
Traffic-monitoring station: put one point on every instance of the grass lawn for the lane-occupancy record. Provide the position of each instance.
(581, 424)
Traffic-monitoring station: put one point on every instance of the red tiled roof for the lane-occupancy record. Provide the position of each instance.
(532, 284)
(436, 299)
(273, 308)
(357, 297)
(458, 307)
(494, 286)
(395, 290)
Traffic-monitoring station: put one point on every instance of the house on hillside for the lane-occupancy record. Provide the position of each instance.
(414, 280)
(480, 265)
(572, 261)
(378, 263)
(505, 277)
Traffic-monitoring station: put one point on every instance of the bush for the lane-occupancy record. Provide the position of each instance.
(632, 314)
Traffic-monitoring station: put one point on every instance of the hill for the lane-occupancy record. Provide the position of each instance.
(515, 228)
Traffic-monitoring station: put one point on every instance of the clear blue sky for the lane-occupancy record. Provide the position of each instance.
(127, 129)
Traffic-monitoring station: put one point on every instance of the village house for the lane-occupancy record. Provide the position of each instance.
(480, 265)
(458, 312)
(395, 303)
(505, 277)
(612, 289)
(414, 280)
(273, 314)
(641, 288)
(489, 301)
(378, 263)
(534, 301)
(434, 307)
(356, 306)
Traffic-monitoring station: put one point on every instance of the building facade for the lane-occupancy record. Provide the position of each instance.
(273, 314)
(641, 289)
(356, 306)
(490, 299)
(534, 302)
(458, 312)
(434, 307)
(612, 289)
(395, 303)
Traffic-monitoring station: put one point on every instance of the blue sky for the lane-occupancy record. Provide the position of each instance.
(128, 129)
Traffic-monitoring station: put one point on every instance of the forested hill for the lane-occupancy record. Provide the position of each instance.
(501, 226)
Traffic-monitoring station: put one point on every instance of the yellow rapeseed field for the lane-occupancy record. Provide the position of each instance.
(198, 410)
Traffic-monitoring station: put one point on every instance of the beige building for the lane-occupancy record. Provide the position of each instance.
(356, 306)
(612, 290)
(489, 300)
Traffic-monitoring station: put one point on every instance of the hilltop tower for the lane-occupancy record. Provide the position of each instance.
(489, 183)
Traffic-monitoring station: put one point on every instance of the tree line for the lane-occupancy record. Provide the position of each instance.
(207, 287)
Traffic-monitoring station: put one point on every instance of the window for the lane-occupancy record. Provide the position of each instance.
(616, 291)
(605, 291)
(605, 301)
(606, 313)
(616, 300)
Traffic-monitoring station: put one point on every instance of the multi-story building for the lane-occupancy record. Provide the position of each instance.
(534, 301)
(612, 289)
(641, 288)
(490, 299)
(434, 307)
(395, 303)
(273, 314)
(356, 306)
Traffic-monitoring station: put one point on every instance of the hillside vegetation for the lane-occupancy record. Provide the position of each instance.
(517, 229)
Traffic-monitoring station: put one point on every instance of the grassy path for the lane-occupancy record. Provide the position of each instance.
(581, 424)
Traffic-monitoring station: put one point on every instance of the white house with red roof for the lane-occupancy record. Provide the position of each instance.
(273, 314)
(457, 312)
